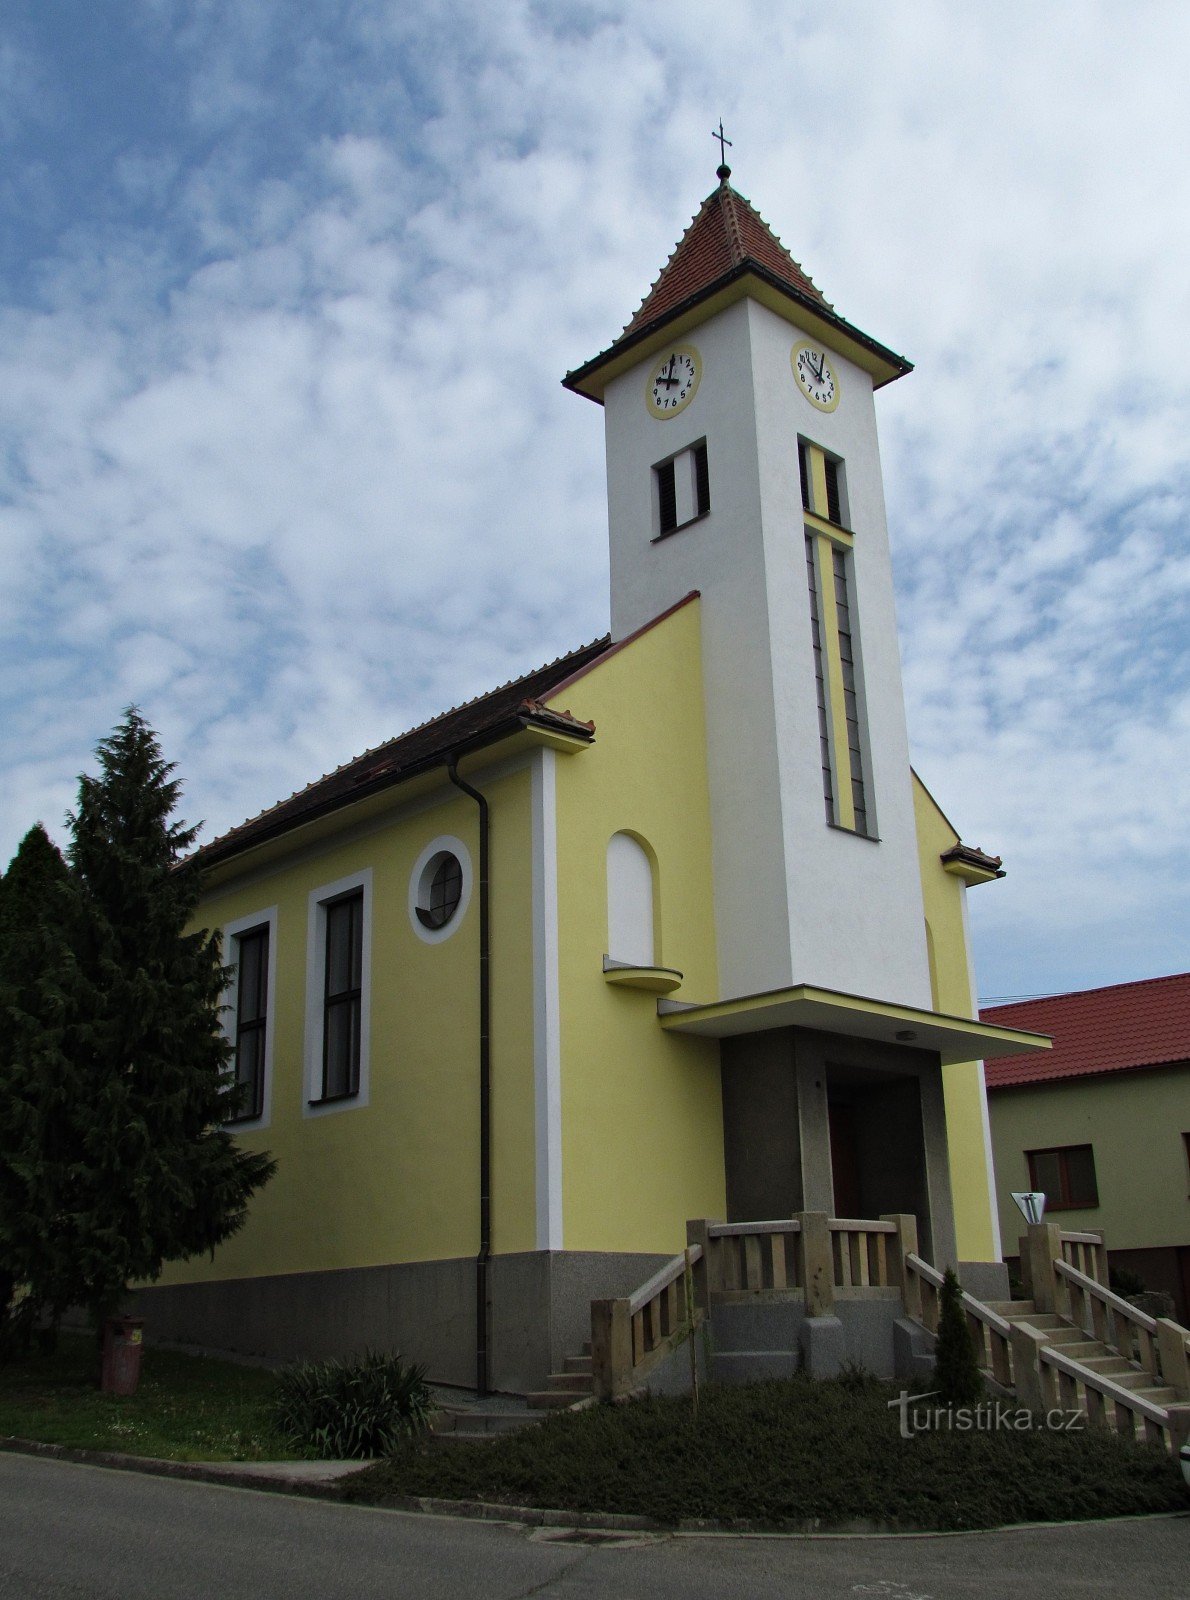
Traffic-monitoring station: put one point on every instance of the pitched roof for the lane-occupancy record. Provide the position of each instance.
(475, 723)
(1116, 1029)
(728, 242)
(725, 234)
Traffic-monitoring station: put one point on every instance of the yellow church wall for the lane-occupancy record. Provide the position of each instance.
(642, 1119)
(950, 981)
(396, 1179)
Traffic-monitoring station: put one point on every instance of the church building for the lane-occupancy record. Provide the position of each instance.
(667, 929)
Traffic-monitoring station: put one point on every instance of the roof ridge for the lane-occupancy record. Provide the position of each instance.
(1078, 994)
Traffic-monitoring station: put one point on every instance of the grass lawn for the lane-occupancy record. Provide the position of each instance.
(781, 1453)
(187, 1408)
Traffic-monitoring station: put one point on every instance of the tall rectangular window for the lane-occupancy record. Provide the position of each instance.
(1065, 1175)
(682, 489)
(342, 995)
(251, 1020)
(833, 634)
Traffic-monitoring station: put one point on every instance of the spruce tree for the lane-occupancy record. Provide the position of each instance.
(36, 974)
(956, 1375)
(119, 1048)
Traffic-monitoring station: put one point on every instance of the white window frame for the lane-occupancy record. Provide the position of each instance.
(313, 1105)
(231, 998)
(445, 843)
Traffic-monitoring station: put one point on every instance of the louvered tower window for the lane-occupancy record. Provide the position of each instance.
(683, 489)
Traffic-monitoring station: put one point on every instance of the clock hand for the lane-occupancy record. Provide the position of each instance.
(669, 380)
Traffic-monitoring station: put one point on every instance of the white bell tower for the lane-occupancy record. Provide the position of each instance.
(742, 461)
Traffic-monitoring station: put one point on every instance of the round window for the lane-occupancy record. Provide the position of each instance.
(440, 890)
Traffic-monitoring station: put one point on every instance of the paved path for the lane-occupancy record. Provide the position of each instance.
(71, 1532)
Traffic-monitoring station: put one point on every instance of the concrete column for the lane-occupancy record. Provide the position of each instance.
(1043, 1246)
(899, 1245)
(706, 1279)
(1033, 1385)
(1175, 1364)
(940, 1231)
(814, 1135)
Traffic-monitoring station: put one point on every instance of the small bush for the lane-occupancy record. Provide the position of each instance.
(1123, 1282)
(352, 1410)
(956, 1374)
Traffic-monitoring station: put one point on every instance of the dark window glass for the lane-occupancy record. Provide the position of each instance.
(342, 997)
(445, 892)
(702, 481)
(1066, 1176)
(251, 1018)
(850, 698)
(828, 793)
(833, 510)
(804, 474)
(667, 498)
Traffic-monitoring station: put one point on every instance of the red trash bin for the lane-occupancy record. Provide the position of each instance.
(123, 1340)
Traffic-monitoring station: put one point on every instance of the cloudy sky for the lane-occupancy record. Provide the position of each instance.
(286, 292)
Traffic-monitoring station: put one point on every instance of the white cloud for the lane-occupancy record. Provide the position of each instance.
(283, 455)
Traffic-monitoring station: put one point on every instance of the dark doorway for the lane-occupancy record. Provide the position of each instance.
(844, 1160)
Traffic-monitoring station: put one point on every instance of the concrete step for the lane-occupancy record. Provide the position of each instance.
(1012, 1310)
(1079, 1351)
(1041, 1319)
(1161, 1396)
(753, 1366)
(476, 1424)
(1066, 1334)
(576, 1383)
(1111, 1366)
(578, 1363)
(552, 1399)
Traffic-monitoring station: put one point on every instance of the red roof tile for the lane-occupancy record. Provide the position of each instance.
(1116, 1029)
(725, 234)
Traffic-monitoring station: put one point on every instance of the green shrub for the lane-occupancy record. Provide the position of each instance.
(1124, 1282)
(956, 1375)
(352, 1409)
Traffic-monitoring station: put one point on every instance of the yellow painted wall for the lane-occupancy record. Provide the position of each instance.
(642, 1117)
(1134, 1122)
(397, 1179)
(942, 894)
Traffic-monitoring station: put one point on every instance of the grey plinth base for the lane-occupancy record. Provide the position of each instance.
(753, 1366)
(913, 1349)
(823, 1346)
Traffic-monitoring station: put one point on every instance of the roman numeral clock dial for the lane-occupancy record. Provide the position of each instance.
(816, 376)
(673, 380)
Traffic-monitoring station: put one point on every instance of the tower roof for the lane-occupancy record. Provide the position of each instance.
(729, 251)
(726, 232)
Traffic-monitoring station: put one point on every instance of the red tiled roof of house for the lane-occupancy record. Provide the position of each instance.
(724, 234)
(1117, 1029)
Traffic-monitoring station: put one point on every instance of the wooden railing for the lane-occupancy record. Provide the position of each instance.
(819, 1256)
(1048, 1381)
(630, 1336)
(1156, 1344)
(1087, 1253)
(991, 1334)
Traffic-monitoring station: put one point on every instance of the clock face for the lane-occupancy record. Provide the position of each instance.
(673, 380)
(816, 375)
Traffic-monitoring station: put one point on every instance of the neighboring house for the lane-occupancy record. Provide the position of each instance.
(666, 929)
(1102, 1123)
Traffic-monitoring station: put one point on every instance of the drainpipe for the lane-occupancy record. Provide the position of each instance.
(482, 1352)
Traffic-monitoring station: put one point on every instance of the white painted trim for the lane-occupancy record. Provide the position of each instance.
(231, 996)
(419, 890)
(993, 1200)
(547, 1036)
(315, 965)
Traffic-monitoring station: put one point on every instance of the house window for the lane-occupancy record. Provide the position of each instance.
(681, 490)
(251, 1019)
(338, 996)
(249, 949)
(342, 997)
(1066, 1176)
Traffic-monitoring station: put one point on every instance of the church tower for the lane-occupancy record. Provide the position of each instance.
(742, 462)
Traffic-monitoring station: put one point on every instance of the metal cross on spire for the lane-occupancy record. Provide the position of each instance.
(724, 171)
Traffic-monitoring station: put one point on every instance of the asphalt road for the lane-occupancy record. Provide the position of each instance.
(70, 1532)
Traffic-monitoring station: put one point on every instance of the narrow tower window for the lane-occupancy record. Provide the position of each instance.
(629, 902)
(682, 489)
(832, 628)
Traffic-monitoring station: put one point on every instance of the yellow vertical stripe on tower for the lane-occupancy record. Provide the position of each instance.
(828, 617)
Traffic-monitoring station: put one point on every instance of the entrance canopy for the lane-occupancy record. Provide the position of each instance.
(828, 1011)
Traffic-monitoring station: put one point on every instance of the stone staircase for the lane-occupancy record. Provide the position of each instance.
(472, 1421)
(568, 1387)
(1097, 1357)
